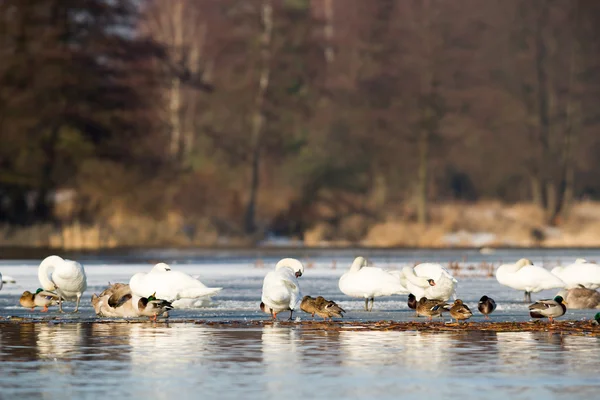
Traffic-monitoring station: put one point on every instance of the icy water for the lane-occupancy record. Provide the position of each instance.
(75, 357)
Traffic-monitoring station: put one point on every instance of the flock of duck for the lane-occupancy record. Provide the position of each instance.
(429, 286)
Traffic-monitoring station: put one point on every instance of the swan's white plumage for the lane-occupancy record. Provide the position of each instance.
(177, 287)
(581, 272)
(525, 276)
(0, 281)
(369, 282)
(417, 281)
(66, 277)
(281, 290)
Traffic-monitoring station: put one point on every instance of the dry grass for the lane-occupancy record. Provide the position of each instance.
(452, 224)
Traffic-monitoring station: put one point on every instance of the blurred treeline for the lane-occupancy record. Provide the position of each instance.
(241, 117)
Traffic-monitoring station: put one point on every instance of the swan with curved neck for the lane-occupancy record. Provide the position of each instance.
(529, 278)
(66, 277)
(177, 287)
(281, 290)
(430, 280)
(369, 282)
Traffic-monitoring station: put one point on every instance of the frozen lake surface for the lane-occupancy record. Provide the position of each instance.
(82, 359)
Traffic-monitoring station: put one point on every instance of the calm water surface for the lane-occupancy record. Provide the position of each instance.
(83, 359)
(88, 360)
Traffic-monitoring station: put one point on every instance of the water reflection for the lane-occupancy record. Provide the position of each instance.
(143, 360)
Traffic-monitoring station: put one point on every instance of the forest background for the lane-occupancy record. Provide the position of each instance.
(302, 122)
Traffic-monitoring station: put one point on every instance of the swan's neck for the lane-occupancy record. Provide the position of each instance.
(410, 275)
(357, 264)
(46, 268)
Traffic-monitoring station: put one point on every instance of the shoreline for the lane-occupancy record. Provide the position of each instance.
(580, 328)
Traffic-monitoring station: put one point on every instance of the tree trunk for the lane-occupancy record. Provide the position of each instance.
(258, 119)
(544, 99)
(175, 89)
(422, 214)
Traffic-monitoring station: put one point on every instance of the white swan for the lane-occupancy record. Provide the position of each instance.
(65, 277)
(281, 291)
(430, 280)
(525, 276)
(370, 282)
(580, 273)
(177, 287)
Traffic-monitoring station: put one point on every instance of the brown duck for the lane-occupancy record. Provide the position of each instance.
(430, 307)
(326, 309)
(460, 311)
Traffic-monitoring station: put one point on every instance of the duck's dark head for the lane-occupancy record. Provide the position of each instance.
(411, 297)
(431, 282)
(560, 300)
(483, 298)
(458, 302)
(262, 306)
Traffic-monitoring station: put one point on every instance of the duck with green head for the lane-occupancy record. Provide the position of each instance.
(41, 298)
(152, 307)
(596, 320)
(548, 308)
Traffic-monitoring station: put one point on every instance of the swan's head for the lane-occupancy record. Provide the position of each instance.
(161, 267)
(293, 264)
(581, 261)
(431, 282)
(358, 263)
(523, 262)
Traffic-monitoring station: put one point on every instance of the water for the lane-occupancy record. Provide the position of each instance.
(81, 358)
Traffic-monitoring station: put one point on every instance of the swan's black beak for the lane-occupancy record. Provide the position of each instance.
(298, 274)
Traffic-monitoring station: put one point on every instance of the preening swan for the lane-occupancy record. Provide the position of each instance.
(281, 291)
(65, 277)
(179, 288)
(525, 276)
(370, 282)
(430, 280)
(580, 273)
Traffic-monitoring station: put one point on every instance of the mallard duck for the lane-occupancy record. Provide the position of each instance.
(326, 309)
(581, 297)
(152, 307)
(548, 308)
(460, 311)
(596, 320)
(486, 306)
(41, 298)
(412, 301)
(367, 282)
(430, 307)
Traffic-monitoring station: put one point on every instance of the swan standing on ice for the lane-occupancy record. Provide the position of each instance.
(525, 276)
(65, 277)
(177, 287)
(281, 291)
(430, 280)
(580, 273)
(370, 282)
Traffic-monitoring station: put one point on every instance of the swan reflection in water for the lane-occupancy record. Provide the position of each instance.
(423, 351)
(280, 358)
